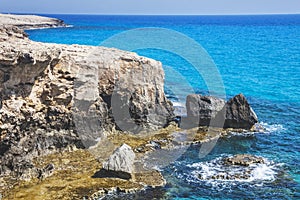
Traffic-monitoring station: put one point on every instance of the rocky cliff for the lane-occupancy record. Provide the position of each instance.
(30, 21)
(56, 96)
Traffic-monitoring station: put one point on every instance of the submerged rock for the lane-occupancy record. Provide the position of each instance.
(243, 160)
(237, 168)
(121, 162)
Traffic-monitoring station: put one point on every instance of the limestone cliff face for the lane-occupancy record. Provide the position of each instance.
(54, 96)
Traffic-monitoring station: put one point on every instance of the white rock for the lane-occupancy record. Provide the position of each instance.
(122, 160)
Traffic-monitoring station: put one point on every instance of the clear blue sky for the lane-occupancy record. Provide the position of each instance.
(192, 7)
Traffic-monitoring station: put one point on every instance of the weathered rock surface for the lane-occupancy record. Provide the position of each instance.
(237, 167)
(57, 96)
(30, 21)
(239, 113)
(121, 162)
(212, 111)
(204, 109)
(243, 160)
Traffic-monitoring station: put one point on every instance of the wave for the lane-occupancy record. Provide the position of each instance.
(261, 127)
(216, 172)
(271, 128)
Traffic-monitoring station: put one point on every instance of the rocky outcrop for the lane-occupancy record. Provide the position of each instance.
(121, 162)
(204, 109)
(57, 96)
(212, 111)
(239, 113)
(238, 168)
(243, 160)
(30, 21)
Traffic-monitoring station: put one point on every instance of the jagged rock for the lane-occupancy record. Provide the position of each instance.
(55, 96)
(243, 160)
(203, 110)
(212, 111)
(239, 114)
(121, 162)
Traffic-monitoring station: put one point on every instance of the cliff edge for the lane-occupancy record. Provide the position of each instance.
(30, 21)
(56, 96)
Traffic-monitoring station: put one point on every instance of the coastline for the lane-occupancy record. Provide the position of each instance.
(30, 21)
(28, 67)
(56, 75)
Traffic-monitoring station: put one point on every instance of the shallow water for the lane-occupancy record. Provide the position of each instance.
(256, 55)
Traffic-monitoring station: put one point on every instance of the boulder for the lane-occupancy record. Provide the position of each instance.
(239, 113)
(121, 162)
(204, 109)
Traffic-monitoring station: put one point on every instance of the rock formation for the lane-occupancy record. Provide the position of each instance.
(239, 113)
(204, 109)
(212, 111)
(56, 96)
(238, 167)
(30, 21)
(243, 160)
(121, 162)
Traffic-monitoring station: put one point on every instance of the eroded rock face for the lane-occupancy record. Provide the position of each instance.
(121, 162)
(55, 96)
(212, 111)
(239, 113)
(204, 109)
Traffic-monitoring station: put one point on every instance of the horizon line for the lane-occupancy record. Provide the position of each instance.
(136, 14)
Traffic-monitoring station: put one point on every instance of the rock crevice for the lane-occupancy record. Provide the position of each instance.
(73, 92)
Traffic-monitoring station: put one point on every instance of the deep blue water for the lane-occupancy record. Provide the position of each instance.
(255, 55)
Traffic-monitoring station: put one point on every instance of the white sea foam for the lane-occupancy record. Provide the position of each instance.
(211, 172)
(261, 127)
(263, 172)
(272, 128)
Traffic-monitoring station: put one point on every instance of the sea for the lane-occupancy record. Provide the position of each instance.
(257, 55)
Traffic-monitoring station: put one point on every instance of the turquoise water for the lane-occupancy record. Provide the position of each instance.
(256, 55)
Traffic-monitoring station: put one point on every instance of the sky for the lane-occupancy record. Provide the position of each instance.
(151, 7)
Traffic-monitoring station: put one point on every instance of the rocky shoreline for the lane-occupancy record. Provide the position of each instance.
(69, 112)
(30, 21)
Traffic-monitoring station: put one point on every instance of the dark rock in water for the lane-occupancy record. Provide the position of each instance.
(212, 111)
(120, 163)
(203, 111)
(243, 160)
(239, 114)
(204, 108)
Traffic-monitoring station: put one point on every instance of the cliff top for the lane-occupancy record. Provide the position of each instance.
(30, 21)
